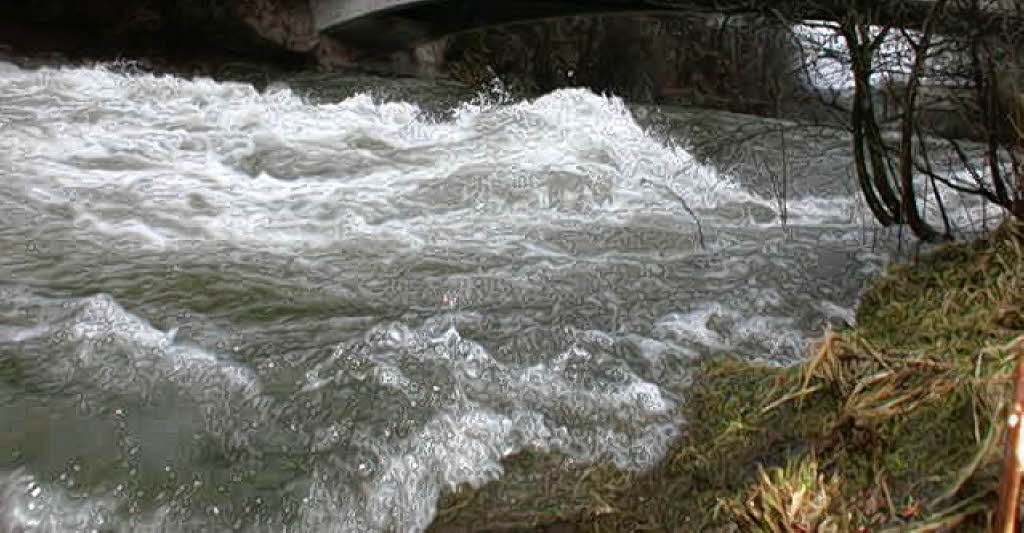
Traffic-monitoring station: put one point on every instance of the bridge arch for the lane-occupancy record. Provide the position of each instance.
(390, 25)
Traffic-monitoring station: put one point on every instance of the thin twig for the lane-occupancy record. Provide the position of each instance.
(700, 229)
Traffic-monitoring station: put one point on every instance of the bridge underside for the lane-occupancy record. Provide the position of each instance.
(390, 25)
(412, 23)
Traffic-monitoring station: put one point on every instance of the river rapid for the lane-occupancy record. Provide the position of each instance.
(226, 308)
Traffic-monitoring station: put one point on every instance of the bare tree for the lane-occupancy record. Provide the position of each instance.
(952, 85)
(875, 183)
(908, 197)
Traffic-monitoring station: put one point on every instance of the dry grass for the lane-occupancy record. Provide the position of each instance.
(921, 385)
(794, 499)
(895, 425)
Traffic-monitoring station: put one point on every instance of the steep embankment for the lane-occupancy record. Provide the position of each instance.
(894, 424)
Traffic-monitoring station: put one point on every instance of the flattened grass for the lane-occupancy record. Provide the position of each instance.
(896, 424)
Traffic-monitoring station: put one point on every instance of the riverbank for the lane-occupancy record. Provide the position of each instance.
(892, 425)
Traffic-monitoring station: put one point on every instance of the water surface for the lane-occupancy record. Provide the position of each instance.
(225, 308)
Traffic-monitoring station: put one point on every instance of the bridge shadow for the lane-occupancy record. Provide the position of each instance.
(406, 24)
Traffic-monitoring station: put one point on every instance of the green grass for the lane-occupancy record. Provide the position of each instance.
(895, 424)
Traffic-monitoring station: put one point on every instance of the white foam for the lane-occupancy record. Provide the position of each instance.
(384, 424)
(272, 169)
(472, 412)
(693, 325)
(104, 352)
(29, 504)
(718, 327)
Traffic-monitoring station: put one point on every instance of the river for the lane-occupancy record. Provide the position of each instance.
(230, 308)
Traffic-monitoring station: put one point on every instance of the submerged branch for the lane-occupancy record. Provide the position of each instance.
(700, 229)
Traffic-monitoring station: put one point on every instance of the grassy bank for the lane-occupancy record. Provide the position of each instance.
(895, 424)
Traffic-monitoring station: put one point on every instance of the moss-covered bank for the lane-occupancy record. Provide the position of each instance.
(893, 425)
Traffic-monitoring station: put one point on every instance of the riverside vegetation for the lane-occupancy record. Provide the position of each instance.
(893, 425)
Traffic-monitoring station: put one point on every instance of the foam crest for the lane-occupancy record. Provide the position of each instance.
(275, 169)
(98, 362)
(719, 328)
(446, 412)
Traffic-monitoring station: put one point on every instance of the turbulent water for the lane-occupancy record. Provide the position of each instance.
(226, 308)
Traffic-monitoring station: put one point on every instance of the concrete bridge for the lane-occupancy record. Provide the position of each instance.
(395, 24)
(389, 25)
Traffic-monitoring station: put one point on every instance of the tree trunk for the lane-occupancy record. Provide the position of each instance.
(909, 198)
(879, 210)
(987, 85)
(885, 209)
(862, 69)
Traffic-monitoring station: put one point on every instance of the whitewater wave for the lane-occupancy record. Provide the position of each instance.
(222, 308)
(237, 165)
(386, 423)
(449, 413)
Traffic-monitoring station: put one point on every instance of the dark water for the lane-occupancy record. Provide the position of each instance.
(224, 308)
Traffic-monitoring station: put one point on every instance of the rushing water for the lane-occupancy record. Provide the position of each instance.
(225, 308)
